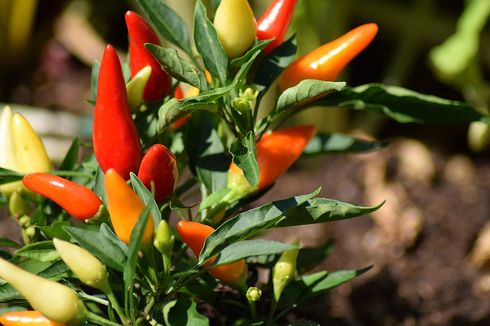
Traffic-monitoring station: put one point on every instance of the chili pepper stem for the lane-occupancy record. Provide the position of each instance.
(115, 304)
(99, 320)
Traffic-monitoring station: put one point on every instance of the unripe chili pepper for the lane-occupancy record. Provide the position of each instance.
(17, 205)
(29, 149)
(274, 22)
(115, 139)
(79, 201)
(158, 171)
(284, 270)
(55, 301)
(276, 152)
(164, 239)
(327, 61)
(140, 32)
(8, 159)
(235, 24)
(87, 267)
(136, 88)
(194, 235)
(125, 207)
(26, 318)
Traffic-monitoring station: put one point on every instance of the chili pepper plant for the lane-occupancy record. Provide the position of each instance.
(112, 238)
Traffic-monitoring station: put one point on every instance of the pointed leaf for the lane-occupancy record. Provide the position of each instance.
(208, 44)
(245, 157)
(339, 143)
(147, 198)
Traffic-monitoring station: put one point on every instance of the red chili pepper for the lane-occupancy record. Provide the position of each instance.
(26, 318)
(194, 235)
(140, 32)
(79, 201)
(115, 138)
(158, 170)
(276, 152)
(327, 61)
(275, 21)
(179, 94)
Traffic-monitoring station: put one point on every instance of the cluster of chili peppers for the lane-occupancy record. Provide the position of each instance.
(119, 153)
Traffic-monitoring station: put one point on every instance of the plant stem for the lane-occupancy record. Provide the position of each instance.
(115, 304)
(99, 320)
(270, 318)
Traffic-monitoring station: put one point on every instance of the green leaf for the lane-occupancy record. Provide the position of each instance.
(134, 247)
(258, 46)
(183, 312)
(167, 22)
(271, 67)
(307, 91)
(402, 105)
(245, 157)
(100, 246)
(43, 251)
(309, 286)
(319, 210)
(178, 67)
(309, 258)
(71, 157)
(208, 44)
(147, 198)
(5, 242)
(56, 230)
(249, 248)
(99, 187)
(249, 223)
(207, 155)
(173, 109)
(339, 143)
(241, 76)
(7, 176)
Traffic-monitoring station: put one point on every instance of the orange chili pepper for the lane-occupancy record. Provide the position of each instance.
(194, 235)
(125, 207)
(79, 201)
(276, 152)
(327, 61)
(26, 318)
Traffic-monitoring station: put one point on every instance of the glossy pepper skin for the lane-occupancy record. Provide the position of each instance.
(54, 300)
(140, 32)
(115, 139)
(158, 171)
(327, 61)
(79, 201)
(235, 24)
(275, 21)
(125, 207)
(194, 235)
(276, 152)
(26, 318)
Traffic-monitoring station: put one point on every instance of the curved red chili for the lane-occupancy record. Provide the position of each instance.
(140, 32)
(115, 138)
(275, 21)
(158, 170)
(79, 201)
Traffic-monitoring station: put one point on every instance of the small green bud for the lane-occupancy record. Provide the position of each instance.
(30, 231)
(17, 205)
(284, 270)
(86, 266)
(254, 294)
(164, 239)
(24, 221)
(479, 136)
(241, 104)
(249, 94)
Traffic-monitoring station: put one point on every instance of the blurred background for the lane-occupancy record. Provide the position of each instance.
(429, 244)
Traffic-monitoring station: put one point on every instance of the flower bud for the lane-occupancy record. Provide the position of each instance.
(254, 294)
(86, 267)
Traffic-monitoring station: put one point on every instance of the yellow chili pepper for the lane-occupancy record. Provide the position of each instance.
(55, 301)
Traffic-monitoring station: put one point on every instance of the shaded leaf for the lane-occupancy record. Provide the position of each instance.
(147, 198)
(245, 157)
(339, 143)
(43, 251)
